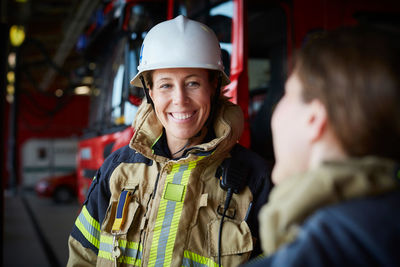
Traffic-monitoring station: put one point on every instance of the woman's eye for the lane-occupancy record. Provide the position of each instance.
(193, 84)
(165, 86)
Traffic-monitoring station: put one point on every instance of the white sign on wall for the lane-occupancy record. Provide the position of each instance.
(47, 157)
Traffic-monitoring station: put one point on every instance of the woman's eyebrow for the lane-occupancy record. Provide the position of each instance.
(191, 75)
(166, 78)
(163, 79)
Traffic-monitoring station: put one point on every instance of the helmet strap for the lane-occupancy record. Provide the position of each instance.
(146, 91)
(214, 103)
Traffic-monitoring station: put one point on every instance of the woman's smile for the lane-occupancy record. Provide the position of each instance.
(182, 116)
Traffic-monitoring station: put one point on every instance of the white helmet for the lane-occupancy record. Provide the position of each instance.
(180, 43)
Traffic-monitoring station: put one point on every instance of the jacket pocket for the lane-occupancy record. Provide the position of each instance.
(129, 251)
(236, 241)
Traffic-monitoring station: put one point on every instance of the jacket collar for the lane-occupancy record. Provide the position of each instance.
(228, 127)
(298, 197)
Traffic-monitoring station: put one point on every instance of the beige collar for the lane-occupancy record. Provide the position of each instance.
(297, 198)
(228, 127)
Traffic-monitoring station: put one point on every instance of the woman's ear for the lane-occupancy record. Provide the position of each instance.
(317, 120)
(150, 92)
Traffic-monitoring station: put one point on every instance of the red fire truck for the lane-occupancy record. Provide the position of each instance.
(257, 37)
(111, 47)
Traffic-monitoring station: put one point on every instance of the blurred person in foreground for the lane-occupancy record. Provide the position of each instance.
(158, 201)
(336, 136)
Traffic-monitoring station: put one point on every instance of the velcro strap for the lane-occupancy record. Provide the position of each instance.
(122, 208)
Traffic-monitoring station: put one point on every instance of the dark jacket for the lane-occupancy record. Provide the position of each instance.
(360, 231)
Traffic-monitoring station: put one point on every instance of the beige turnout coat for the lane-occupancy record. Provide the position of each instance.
(174, 214)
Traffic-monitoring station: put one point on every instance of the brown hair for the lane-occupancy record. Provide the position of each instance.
(355, 73)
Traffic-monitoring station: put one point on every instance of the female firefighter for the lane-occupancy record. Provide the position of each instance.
(336, 135)
(161, 201)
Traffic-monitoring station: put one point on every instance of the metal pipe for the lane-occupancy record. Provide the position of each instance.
(75, 28)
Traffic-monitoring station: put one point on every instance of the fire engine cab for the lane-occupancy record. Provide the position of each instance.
(257, 39)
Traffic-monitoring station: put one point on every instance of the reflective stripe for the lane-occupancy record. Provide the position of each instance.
(195, 260)
(128, 250)
(152, 150)
(168, 216)
(89, 227)
(168, 223)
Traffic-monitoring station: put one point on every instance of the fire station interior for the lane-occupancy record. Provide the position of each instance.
(66, 100)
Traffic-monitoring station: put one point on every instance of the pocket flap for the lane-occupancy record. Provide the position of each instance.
(236, 237)
(132, 211)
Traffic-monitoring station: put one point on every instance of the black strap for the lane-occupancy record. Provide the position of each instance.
(146, 91)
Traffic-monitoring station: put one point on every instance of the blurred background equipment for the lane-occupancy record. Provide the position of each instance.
(61, 188)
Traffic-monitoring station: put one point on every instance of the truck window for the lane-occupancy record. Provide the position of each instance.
(267, 70)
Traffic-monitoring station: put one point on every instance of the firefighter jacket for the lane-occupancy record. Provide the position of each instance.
(174, 212)
(340, 214)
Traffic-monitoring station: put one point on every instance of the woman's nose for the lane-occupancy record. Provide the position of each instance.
(180, 95)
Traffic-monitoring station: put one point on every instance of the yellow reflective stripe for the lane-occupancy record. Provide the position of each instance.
(177, 215)
(122, 242)
(193, 259)
(89, 227)
(90, 219)
(159, 220)
(152, 150)
(128, 249)
(130, 260)
(168, 216)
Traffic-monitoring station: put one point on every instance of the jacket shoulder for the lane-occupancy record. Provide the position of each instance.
(358, 232)
(126, 154)
(98, 196)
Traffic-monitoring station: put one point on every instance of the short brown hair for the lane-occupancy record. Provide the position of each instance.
(355, 73)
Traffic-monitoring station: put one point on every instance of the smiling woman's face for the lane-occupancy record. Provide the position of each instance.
(182, 101)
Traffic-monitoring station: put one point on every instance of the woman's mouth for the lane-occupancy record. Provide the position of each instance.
(182, 115)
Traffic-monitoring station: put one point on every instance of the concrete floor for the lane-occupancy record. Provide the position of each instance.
(36, 230)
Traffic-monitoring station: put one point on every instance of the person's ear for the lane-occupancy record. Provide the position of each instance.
(150, 93)
(317, 120)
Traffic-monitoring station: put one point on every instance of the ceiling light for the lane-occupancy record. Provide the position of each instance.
(10, 98)
(59, 93)
(11, 77)
(10, 89)
(92, 65)
(87, 80)
(82, 90)
(17, 35)
(12, 59)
